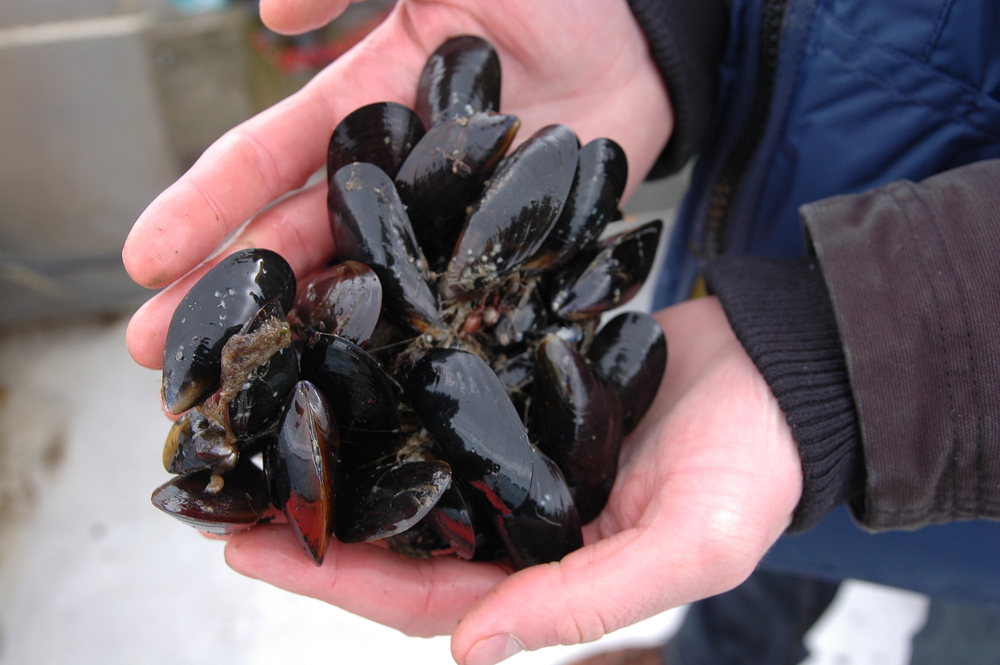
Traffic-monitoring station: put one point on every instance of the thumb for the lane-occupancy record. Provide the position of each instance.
(605, 586)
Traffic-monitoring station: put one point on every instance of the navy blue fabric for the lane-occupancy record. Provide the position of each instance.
(956, 561)
(863, 96)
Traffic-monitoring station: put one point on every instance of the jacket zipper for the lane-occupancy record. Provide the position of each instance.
(723, 193)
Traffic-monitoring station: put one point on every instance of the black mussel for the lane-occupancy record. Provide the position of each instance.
(610, 276)
(303, 468)
(382, 134)
(216, 504)
(398, 496)
(601, 174)
(420, 541)
(546, 527)
(443, 173)
(370, 225)
(515, 213)
(259, 369)
(199, 441)
(362, 398)
(576, 418)
(528, 314)
(214, 310)
(343, 300)
(460, 78)
(630, 351)
(465, 408)
(464, 526)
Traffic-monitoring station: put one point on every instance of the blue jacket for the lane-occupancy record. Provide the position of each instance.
(844, 96)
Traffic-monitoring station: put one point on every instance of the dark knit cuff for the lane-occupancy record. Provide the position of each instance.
(780, 311)
(686, 40)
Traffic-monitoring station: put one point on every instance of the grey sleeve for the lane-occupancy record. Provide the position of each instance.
(913, 273)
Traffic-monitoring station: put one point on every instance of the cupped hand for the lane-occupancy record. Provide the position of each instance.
(582, 63)
(707, 483)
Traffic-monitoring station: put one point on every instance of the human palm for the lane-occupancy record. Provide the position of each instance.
(707, 483)
(583, 64)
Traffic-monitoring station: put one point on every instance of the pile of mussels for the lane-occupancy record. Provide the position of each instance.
(443, 384)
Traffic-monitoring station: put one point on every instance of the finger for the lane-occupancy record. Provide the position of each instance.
(260, 160)
(297, 228)
(418, 597)
(291, 17)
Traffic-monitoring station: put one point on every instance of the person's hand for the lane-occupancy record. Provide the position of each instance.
(582, 63)
(707, 482)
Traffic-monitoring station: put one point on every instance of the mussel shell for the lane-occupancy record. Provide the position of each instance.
(576, 418)
(370, 225)
(420, 541)
(343, 300)
(601, 174)
(546, 527)
(463, 524)
(398, 496)
(241, 503)
(258, 392)
(597, 282)
(519, 321)
(214, 310)
(382, 134)
(303, 468)
(361, 397)
(630, 351)
(465, 408)
(197, 442)
(515, 213)
(460, 78)
(445, 171)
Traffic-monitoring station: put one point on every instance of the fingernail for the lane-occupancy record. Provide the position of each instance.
(494, 649)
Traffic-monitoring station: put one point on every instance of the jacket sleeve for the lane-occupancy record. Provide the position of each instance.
(884, 349)
(914, 280)
(686, 40)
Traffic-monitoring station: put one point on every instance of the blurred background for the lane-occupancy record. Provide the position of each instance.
(104, 103)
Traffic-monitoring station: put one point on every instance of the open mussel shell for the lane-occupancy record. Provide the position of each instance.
(465, 408)
(214, 310)
(608, 277)
(445, 171)
(576, 417)
(259, 369)
(460, 78)
(630, 351)
(343, 300)
(197, 442)
(464, 525)
(518, 320)
(303, 468)
(382, 134)
(420, 541)
(515, 213)
(601, 174)
(241, 502)
(398, 496)
(546, 526)
(361, 397)
(370, 225)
